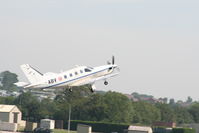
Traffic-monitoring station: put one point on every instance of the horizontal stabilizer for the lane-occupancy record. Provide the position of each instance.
(21, 84)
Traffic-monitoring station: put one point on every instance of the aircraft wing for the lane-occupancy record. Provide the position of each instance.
(36, 85)
(25, 85)
(21, 84)
(30, 86)
(92, 81)
(106, 76)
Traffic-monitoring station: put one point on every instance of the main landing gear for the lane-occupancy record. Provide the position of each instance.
(105, 83)
(70, 90)
(91, 89)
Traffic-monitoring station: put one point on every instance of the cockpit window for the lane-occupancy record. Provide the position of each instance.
(87, 70)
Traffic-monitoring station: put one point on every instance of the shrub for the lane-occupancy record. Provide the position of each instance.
(42, 130)
(183, 130)
(100, 126)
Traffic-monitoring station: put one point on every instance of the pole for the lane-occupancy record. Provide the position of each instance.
(69, 118)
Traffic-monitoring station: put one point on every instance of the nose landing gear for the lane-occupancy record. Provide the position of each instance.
(91, 89)
(105, 83)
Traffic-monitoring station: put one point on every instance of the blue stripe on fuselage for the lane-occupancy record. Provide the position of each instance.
(74, 79)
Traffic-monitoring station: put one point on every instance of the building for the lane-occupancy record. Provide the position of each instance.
(47, 124)
(164, 124)
(139, 129)
(10, 114)
(84, 128)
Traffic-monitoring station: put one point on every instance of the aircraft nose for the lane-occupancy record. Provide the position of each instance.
(114, 66)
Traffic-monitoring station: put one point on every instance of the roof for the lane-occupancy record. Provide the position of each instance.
(6, 108)
(46, 120)
(139, 128)
(82, 125)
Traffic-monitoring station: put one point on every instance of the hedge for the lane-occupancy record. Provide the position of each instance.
(100, 126)
(183, 130)
(161, 130)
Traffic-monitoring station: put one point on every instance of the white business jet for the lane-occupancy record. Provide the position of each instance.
(78, 76)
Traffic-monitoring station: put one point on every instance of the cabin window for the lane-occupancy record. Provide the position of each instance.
(76, 73)
(65, 76)
(71, 74)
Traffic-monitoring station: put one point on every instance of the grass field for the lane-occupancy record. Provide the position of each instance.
(63, 131)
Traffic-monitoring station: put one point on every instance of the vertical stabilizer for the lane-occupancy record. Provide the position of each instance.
(32, 74)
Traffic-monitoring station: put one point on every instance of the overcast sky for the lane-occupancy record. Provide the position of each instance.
(155, 42)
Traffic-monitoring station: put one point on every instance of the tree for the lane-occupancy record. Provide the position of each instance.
(167, 112)
(182, 115)
(171, 101)
(29, 105)
(7, 100)
(119, 108)
(146, 113)
(194, 111)
(189, 99)
(77, 93)
(109, 107)
(165, 100)
(8, 80)
(47, 108)
(92, 108)
(76, 99)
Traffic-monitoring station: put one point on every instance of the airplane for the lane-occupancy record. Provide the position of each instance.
(78, 76)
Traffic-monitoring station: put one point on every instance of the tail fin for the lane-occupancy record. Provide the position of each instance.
(32, 74)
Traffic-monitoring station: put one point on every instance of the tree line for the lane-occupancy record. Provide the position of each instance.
(103, 107)
(109, 107)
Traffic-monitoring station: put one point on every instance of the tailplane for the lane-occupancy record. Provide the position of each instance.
(32, 74)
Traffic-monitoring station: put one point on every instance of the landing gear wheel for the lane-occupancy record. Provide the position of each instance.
(92, 90)
(70, 90)
(105, 83)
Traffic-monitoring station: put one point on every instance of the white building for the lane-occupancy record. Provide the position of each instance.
(10, 114)
(47, 123)
(3, 93)
(84, 128)
(139, 129)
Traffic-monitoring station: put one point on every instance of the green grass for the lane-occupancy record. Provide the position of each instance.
(62, 131)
